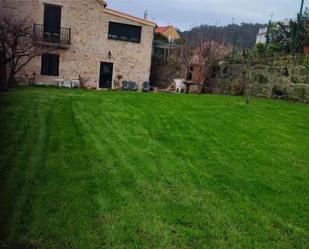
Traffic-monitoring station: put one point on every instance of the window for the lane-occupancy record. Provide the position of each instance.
(50, 64)
(124, 32)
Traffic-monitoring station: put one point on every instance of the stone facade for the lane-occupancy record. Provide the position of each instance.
(89, 22)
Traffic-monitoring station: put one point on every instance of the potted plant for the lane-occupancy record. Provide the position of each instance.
(117, 81)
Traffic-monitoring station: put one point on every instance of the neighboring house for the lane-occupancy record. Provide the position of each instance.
(89, 40)
(169, 32)
(261, 37)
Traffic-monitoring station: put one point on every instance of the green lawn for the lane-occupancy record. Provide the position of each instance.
(91, 169)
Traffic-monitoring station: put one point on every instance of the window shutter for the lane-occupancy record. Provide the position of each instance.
(45, 64)
(54, 69)
(50, 64)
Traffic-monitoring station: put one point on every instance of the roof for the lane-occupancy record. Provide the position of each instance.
(103, 2)
(264, 33)
(127, 16)
(163, 29)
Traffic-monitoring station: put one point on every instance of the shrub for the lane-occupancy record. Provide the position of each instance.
(237, 88)
(305, 61)
(260, 48)
(82, 81)
(160, 37)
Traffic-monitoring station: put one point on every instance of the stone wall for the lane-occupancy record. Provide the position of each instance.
(282, 77)
(89, 42)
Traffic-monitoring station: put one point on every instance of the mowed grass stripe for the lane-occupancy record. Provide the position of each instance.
(131, 170)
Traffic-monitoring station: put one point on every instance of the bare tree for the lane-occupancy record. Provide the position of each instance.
(203, 53)
(247, 90)
(17, 48)
(167, 63)
(192, 44)
(174, 62)
(192, 52)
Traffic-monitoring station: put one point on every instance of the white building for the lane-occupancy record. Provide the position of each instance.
(261, 36)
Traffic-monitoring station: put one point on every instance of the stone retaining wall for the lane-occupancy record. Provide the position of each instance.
(278, 78)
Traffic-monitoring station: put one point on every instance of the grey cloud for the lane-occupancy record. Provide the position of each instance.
(186, 13)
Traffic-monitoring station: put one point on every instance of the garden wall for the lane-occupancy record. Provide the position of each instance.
(280, 77)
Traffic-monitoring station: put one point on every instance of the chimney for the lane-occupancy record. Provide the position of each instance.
(146, 14)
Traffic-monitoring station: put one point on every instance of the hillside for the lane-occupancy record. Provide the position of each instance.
(245, 33)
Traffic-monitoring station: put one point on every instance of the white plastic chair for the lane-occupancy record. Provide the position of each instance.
(75, 83)
(67, 83)
(179, 85)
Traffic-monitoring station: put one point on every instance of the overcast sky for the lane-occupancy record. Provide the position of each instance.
(187, 13)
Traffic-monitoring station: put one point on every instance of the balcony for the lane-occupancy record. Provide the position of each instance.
(61, 39)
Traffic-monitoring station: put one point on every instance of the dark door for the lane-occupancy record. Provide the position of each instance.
(106, 75)
(52, 23)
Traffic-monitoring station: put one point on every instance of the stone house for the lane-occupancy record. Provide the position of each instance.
(87, 39)
(261, 37)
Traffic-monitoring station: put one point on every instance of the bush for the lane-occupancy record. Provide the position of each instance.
(305, 61)
(160, 37)
(237, 88)
(274, 48)
(260, 48)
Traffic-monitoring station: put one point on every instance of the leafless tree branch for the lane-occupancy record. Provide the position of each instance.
(17, 47)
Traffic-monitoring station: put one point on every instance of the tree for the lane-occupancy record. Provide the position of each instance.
(291, 37)
(174, 64)
(160, 37)
(304, 29)
(282, 37)
(203, 54)
(17, 48)
(246, 34)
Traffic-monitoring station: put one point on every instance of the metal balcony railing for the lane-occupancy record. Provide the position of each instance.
(60, 39)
